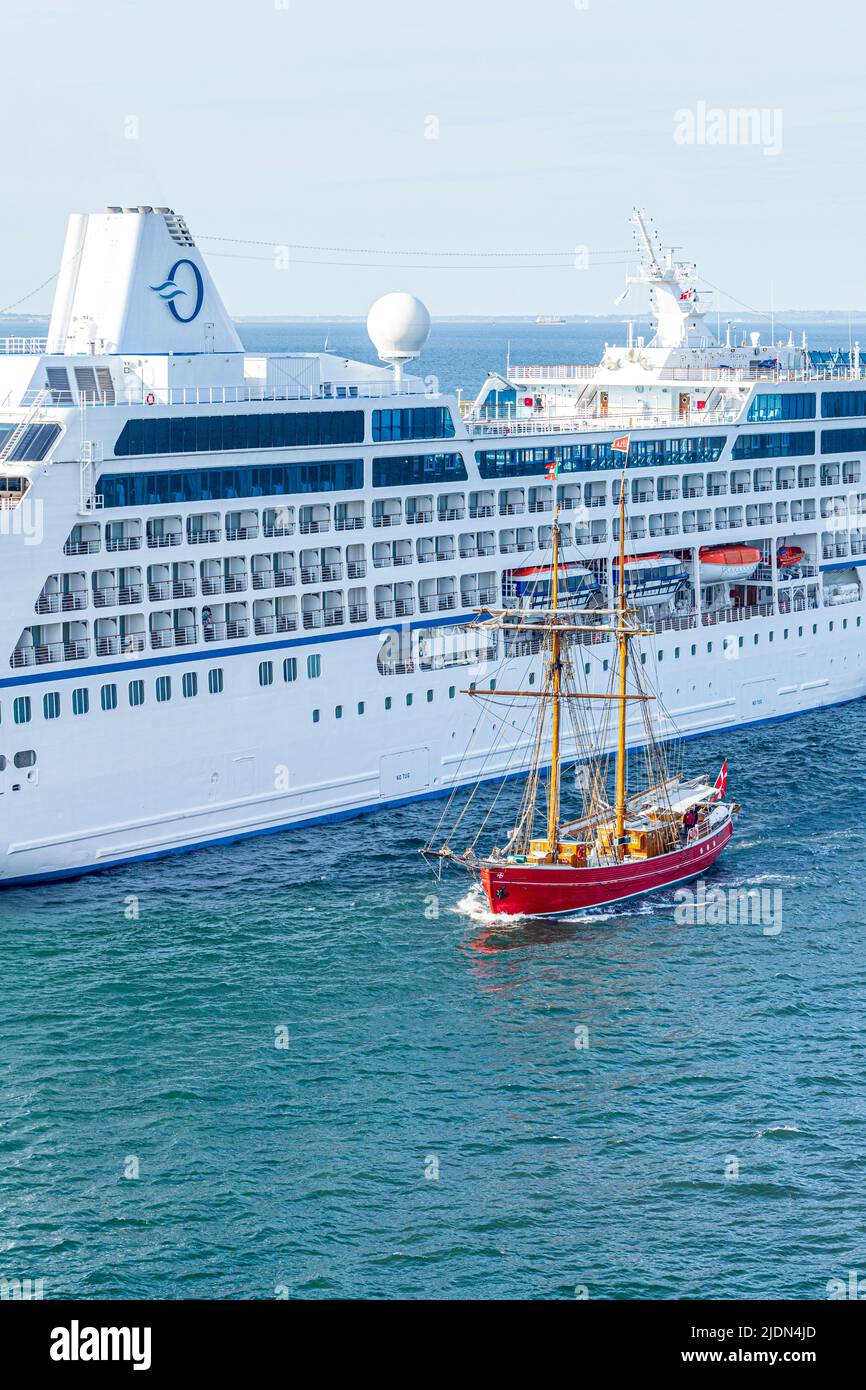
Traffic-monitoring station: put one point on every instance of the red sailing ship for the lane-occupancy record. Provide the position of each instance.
(624, 844)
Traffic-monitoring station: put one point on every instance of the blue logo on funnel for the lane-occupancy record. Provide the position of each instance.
(171, 291)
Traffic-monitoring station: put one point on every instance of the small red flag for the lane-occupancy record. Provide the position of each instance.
(620, 445)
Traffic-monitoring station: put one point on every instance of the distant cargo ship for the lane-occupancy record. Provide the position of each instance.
(550, 320)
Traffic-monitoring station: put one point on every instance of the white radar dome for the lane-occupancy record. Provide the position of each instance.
(399, 326)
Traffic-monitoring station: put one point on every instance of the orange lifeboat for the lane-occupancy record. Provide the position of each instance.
(789, 555)
(728, 563)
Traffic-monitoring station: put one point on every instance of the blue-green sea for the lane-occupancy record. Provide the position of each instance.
(303, 1067)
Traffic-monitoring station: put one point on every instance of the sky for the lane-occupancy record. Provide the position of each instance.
(417, 142)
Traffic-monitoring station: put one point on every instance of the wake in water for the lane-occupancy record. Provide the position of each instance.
(474, 906)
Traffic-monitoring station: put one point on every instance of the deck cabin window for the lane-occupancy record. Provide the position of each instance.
(21, 711)
(215, 680)
(842, 441)
(108, 697)
(51, 705)
(796, 405)
(266, 673)
(777, 444)
(136, 693)
(579, 458)
(835, 404)
(431, 422)
(290, 669)
(221, 484)
(413, 469)
(81, 700)
(209, 434)
(189, 685)
(314, 666)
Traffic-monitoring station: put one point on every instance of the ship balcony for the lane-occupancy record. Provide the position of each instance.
(356, 569)
(33, 651)
(385, 608)
(162, 539)
(483, 511)
(164, 589)
(420, 518)
(278, 522)
(468, 552)
(315, 520)
(358, 613)
(117, 544)
(87, 546)
(348, 523)
(404, 607)
(242, 526)
(116, 645)
(230, 631)
(438, 603)
(163, 637)
(207, 537)
(387, 518)
(452, 513)
(69, 602)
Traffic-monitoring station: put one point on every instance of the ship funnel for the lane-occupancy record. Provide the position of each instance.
(133, 281)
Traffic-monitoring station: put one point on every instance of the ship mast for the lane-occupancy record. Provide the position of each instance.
(556, 669)
(622, 638)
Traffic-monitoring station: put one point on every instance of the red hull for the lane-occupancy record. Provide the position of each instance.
(550, 890)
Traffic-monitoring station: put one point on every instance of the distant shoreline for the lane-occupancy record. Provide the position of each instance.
(802, 316)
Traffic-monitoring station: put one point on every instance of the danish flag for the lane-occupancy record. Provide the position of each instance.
(721, 786)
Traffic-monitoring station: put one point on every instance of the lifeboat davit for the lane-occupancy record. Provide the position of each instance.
(789, 555)
(721, 564)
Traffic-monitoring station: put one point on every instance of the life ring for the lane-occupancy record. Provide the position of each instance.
(150, 398)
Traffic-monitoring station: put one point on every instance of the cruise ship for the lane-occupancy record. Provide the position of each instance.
(241, 592)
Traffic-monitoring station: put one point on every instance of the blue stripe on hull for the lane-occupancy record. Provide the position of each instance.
(237, 836)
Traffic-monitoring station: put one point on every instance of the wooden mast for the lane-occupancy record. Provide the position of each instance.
(556, 668)
(622, 653)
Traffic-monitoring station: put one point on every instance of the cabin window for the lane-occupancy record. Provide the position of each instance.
(360, 706)
(218, 433)
(756, 639)
(417, 470)
(452, 690)
(215, 680)
(430, 696)
(829, 627)
(108, 697)
(189, 685)
(290, 669)
(676, 653)
(21, 709)
(694, 650)
(314, 666)
(742, 642)
(136, 693)
(316, 716)
(387, 701)
(266, 673)
(80, 700)
(163, 689)
(27, 758)
(433, 422)
(51, 705)
(409, 698)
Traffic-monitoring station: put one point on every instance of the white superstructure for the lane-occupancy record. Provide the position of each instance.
(240, 590)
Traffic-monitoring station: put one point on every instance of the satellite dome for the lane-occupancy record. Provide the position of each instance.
(399, 326)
